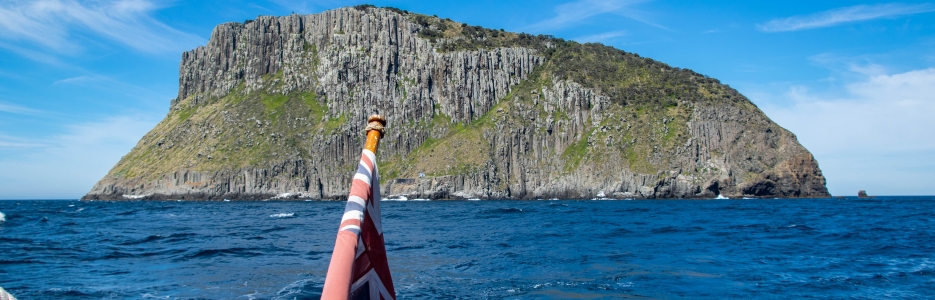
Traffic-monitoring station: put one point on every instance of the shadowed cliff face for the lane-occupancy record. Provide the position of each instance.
(275, 108)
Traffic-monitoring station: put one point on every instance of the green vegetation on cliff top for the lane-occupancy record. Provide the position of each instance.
(651, 103)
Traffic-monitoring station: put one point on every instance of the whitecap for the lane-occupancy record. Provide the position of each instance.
(421, 199)
(473, 199)
(299, 195)
(227, 200)
(293, 289)
(283, 215)
(395, 198)
(2, 217)
(719, 196)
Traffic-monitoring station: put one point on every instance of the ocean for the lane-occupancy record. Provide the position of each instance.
(708, 249)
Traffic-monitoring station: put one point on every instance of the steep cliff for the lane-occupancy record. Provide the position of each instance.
(274, 108)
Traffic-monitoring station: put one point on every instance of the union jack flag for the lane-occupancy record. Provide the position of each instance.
(359, 269)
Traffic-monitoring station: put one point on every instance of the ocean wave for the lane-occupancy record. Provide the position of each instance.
(2, 217)
(403, 199)
(510, 210)
(302, 289)
(299, 195)
(236, 252)
(126, 213)
(276, 228)
(669, 229)
(570, 249)
(413, 247)
(175, 237)
(283, 215)
(619, 232)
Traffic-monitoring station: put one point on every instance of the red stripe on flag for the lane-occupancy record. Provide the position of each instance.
(366, 161)
(361, 189)
(338, 282)
(350, 222)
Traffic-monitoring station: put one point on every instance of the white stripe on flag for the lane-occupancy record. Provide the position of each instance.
(362, 177)
(353, 215)
(371, 156)
(358, 200)
(351, 227)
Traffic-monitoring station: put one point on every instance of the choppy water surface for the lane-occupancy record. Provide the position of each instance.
(825, 248)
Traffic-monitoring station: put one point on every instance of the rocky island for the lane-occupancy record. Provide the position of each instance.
(274, 108)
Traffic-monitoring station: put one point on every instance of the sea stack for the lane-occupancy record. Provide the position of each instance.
(273, 107)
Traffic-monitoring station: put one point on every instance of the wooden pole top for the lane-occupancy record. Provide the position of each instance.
(375, 128)
(377, 118)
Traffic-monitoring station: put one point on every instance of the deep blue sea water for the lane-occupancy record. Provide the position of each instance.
(717, 249)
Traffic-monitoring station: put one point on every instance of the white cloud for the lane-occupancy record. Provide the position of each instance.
(877, 136)
(68, 165)
(16, 109)
(7, 141)
(601, 37)
(574, 12)
(844, 15)
(53, 23)
(106, 83)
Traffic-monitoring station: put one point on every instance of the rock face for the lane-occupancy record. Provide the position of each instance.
(274, 108)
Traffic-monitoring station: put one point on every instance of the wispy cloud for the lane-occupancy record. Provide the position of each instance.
(864, 136)
(54, 23)
(67, 165)
(574, 12)
(12, 142)
(109, 84)
(16, 109)
(601, 37)
(844, 15)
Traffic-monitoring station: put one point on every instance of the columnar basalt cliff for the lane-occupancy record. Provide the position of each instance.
(274, 108)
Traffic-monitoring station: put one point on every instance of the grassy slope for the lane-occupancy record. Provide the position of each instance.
(235, 131)
(246, 129)
(651, 104)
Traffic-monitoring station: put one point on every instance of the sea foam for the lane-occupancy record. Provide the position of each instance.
(2, 217)
(289, 215)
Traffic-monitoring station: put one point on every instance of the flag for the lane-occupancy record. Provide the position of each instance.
(359, 269)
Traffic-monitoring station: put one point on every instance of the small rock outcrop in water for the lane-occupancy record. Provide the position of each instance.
(862, 194)
(274, 108)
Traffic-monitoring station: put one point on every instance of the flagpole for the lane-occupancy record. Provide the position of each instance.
(339, 278)
(375, 125)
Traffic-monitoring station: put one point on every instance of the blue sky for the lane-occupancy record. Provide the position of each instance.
(82, 81)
